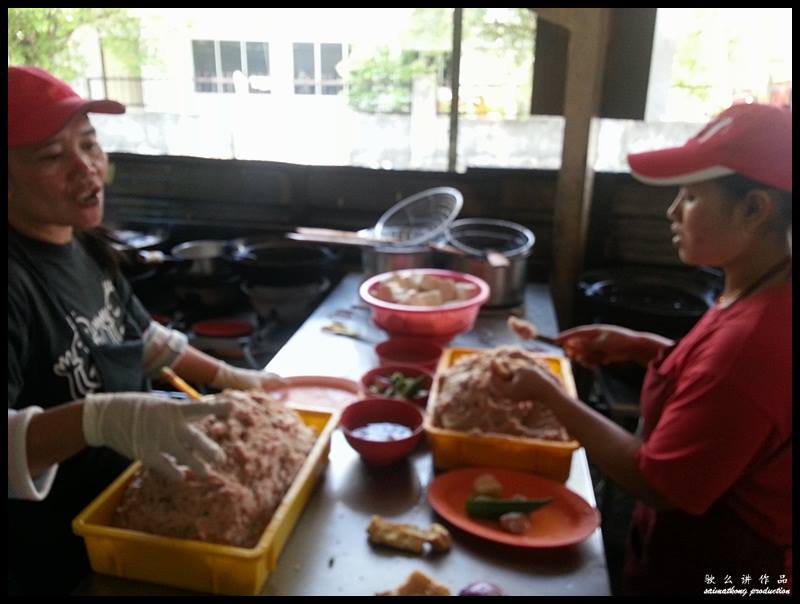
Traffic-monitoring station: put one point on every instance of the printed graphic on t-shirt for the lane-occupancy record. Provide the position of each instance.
(105, 327)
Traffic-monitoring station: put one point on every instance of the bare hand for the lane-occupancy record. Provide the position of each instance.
(593, 345)
(529, 383)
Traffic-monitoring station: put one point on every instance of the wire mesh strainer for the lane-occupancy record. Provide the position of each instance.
(420, 218)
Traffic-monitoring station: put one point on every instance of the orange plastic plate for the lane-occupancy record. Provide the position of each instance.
(316, 391)
(568, 520)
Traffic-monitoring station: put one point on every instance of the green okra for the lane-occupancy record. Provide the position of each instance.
(492, 508)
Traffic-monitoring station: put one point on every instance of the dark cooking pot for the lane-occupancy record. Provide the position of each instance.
(281, 262)
(665, 301)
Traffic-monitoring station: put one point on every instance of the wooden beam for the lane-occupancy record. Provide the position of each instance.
(627, 62)
(588, 42)
(565, 17)
(627, 71)
(549, 69)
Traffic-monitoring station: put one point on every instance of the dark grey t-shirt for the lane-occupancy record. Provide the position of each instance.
(53, 311)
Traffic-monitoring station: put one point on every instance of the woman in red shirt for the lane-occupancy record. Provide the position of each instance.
(711, 471)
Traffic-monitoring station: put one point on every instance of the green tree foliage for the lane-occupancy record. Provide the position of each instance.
(43, 37)
(515, 35)
(690, 72)
(382, 83)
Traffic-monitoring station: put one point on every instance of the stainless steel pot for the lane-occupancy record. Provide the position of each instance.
(414, 223)
(475, 238)
(375, 260)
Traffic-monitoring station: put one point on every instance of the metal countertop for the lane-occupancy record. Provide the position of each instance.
(328, 552)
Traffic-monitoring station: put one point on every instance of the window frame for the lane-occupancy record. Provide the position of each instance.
(318, 82)
(218, 81)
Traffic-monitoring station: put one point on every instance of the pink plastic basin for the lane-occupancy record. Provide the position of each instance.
(439, 323)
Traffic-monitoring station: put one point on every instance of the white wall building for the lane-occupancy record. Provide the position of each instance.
(262, 83)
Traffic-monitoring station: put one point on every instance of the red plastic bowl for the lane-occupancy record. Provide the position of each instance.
(441, 323)
(378, 410)
(370, 377)
(416, 352)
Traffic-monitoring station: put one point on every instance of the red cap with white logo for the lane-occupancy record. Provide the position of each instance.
(750, 139)
(40, 105)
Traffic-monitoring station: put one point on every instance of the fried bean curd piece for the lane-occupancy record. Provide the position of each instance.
(418, 584)
(408, 537)
(487, 484)
(439, 538)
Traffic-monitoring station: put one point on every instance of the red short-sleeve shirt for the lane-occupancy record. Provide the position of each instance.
(717, 415)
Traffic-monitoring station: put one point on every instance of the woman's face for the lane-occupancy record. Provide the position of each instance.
(705, 225)
(57, 185)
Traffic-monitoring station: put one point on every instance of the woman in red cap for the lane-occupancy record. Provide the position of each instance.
(711, 470)
(81, 347)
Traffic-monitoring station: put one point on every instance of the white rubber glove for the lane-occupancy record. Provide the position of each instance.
(153, 429)
(238, 378)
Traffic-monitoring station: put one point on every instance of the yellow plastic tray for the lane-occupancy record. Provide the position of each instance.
(456, 449)
(206, 567)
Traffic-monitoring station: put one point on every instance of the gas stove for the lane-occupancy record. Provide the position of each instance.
(225, 318)
(248, 342)
(239, 337)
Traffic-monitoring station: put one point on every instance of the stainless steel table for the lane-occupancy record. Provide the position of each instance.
(328, 552)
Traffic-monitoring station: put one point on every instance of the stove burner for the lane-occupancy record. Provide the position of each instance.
(234, 339)
(237, 330)
(223, 328)
(288, 303)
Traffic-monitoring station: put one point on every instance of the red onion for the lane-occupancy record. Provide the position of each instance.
(481, 588)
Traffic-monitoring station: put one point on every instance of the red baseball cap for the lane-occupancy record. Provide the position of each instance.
(40, 105)
(749, 139)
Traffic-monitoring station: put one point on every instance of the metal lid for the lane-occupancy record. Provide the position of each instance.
(420, 218)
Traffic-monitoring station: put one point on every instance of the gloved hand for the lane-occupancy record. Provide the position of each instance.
(150, 428)
(237, 378)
